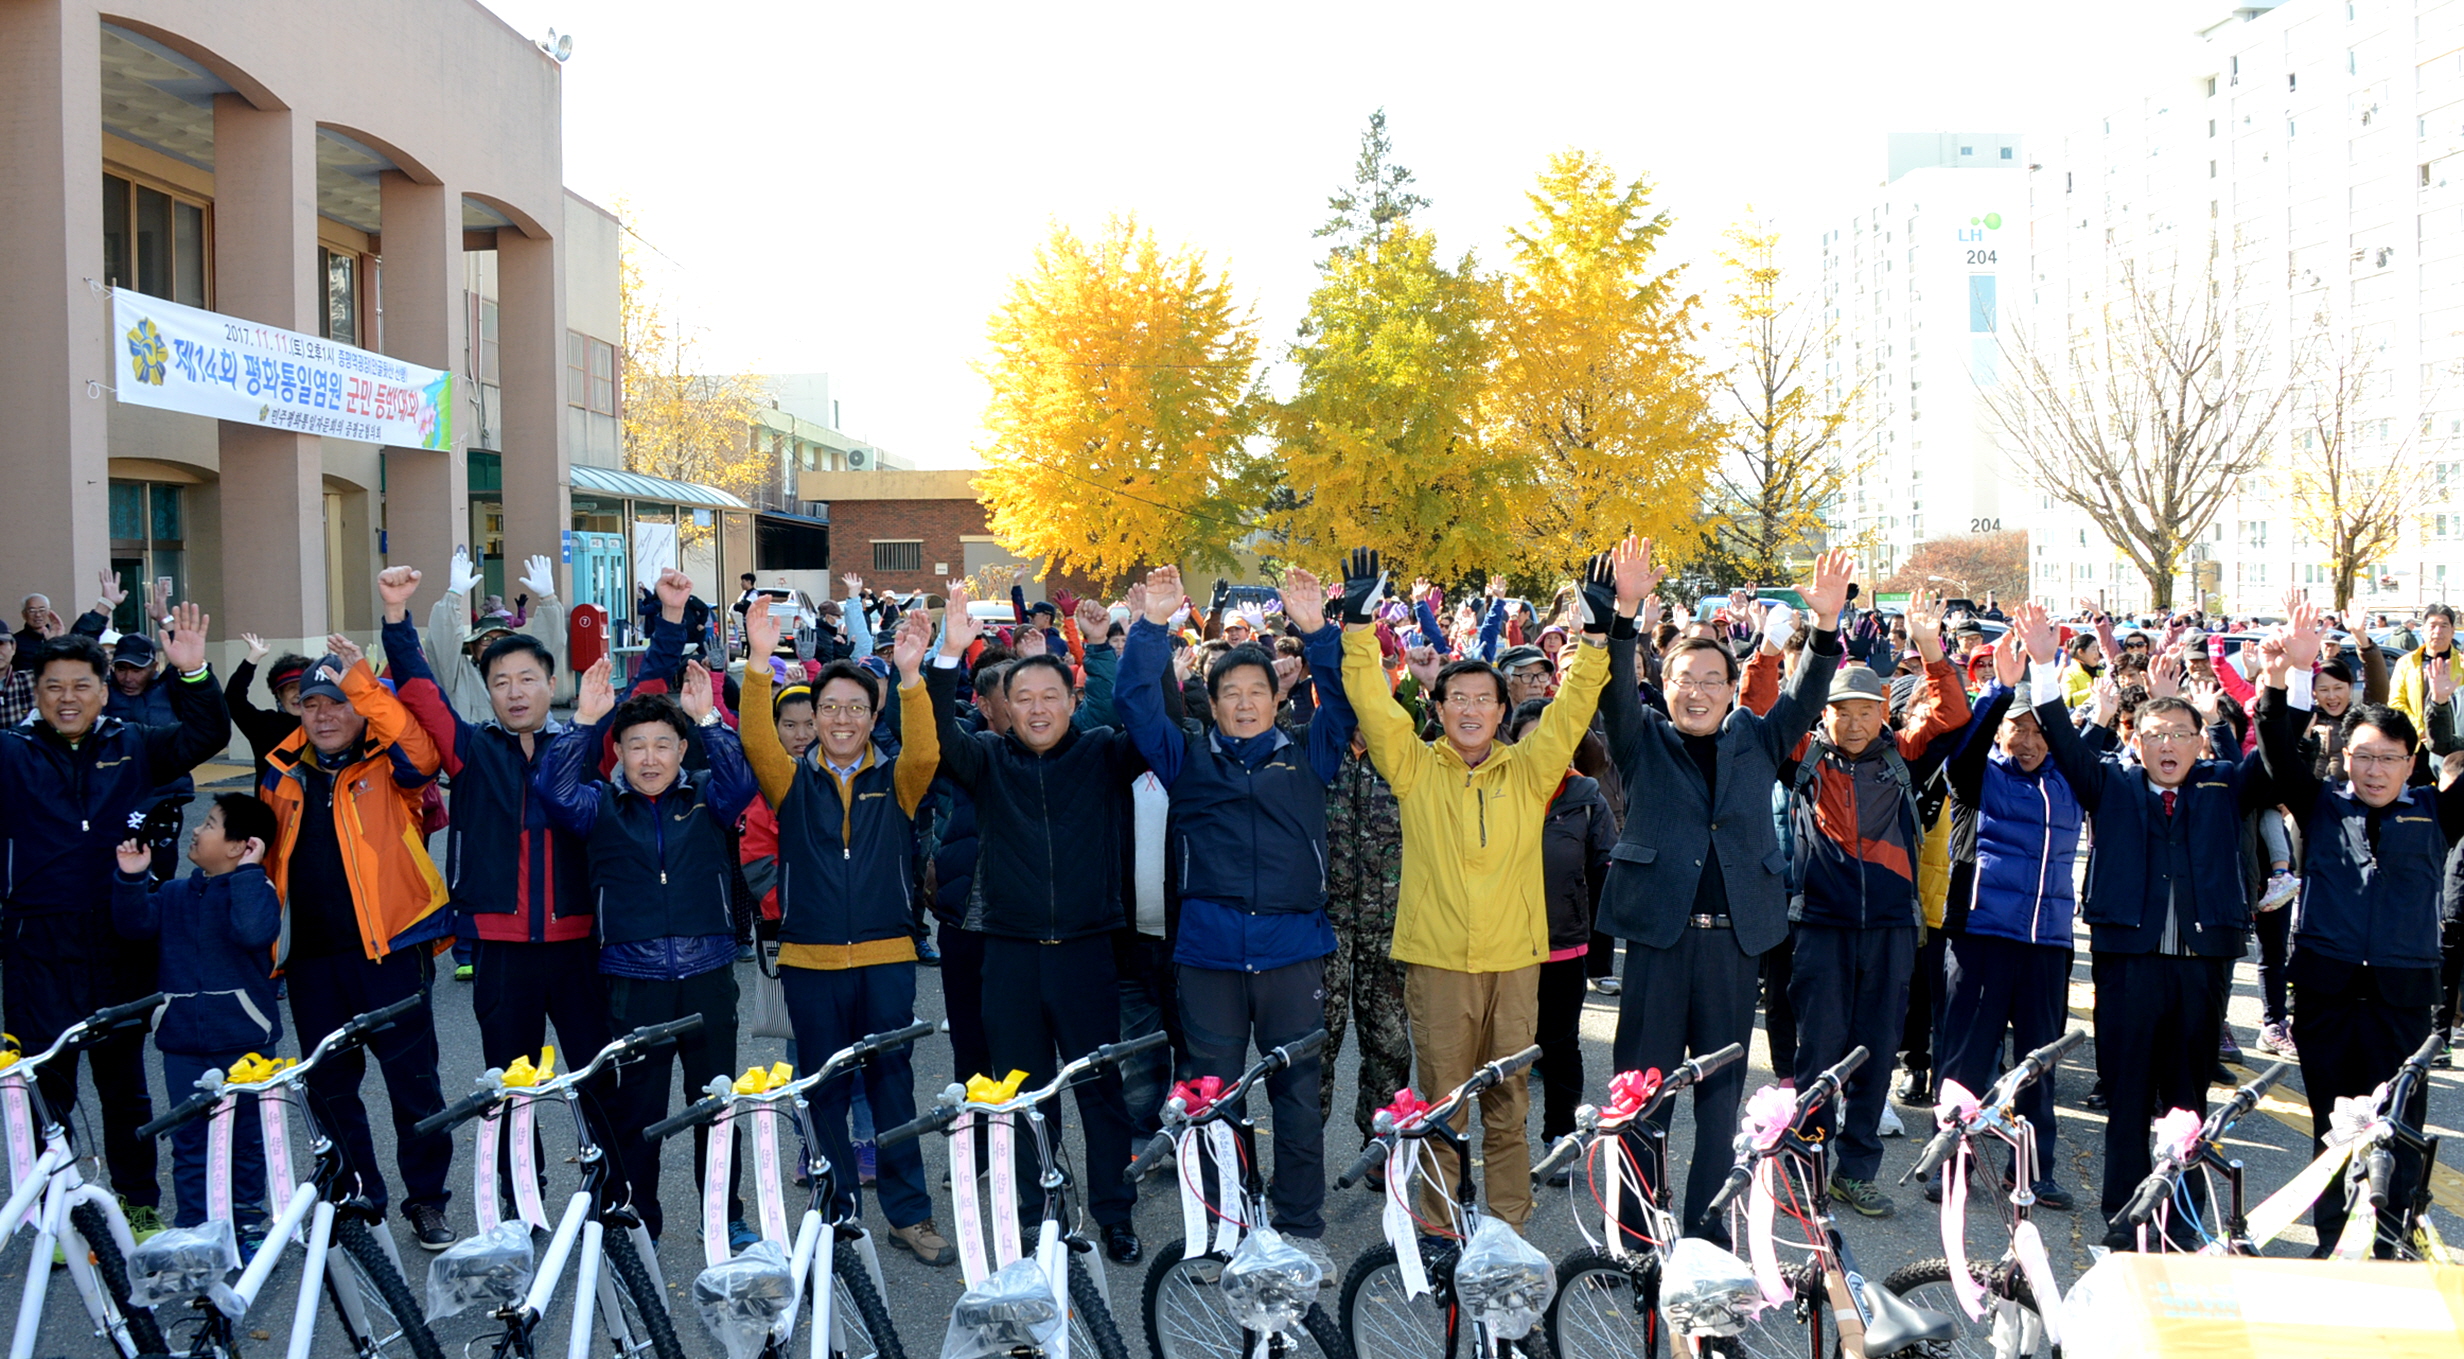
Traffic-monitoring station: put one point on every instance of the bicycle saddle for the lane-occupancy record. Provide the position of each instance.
(1898, 1324)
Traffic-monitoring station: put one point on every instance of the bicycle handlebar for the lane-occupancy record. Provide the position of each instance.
(649, 1035)
(1149, 1159)
(117, 1016)
(954, 1101)
(1371, 1157)
(699, 1111)
(1816, 1092)
(931, 1120)
(195, 1106)
(1567, 1148)
(453, 1115)
(2031, 1068)
(2160, 1182)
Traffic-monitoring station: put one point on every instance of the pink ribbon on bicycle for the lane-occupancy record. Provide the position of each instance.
(218, 1159)
(2178, 1132)
(20, 1116)
(1199, 1095)
(526, 1165)
(1768, 1114)
(1761, 1251)
(966, 1209)
(274, 1121)
(483, 1168)
(1629, 1091)
(1958, 1106)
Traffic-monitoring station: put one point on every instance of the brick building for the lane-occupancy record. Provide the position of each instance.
(916, 530)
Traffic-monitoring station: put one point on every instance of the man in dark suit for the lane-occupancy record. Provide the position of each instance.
(1696, 884)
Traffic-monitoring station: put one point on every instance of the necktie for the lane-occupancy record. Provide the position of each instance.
(2169, 795)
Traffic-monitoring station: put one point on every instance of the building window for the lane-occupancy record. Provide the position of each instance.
(338, 294)
(577, 369)
(148, 542)
(902, 555)
(602, 377)
(155, 241)
(1967, 150)
(2006, 153)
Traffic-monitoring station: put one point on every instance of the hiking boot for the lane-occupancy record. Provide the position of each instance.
(1862, 1196)
(144, 1222)
(924, 1241)
(428, 1226)
(2276, 1038)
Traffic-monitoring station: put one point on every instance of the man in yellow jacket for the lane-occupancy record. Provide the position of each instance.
(1471, 920)
(2409, 692)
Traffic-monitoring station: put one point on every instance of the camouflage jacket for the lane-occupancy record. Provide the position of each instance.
(1364, 850)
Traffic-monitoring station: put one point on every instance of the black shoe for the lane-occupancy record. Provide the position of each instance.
(2095, 1100)
(1121, 1244)
(428, 1225)
(2054, 1196)
(2222, 1076)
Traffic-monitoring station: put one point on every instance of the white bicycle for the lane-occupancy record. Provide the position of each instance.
(83, 1220)
(351, 1258)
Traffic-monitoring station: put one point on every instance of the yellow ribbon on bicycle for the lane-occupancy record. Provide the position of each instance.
(521, 1075)
(256, 1067)
(983, 1089)
(756, 1081)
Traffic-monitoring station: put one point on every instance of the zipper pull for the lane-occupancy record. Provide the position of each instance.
(85, 825)
(663, 877)
(845, 853)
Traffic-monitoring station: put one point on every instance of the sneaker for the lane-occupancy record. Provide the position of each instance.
(2228, 1048)
(1890, 1125)
(2276, 1039)
(252, 1240)
(741, 1236)
(2281, 888)
(926, 954)
(428, 1225)
(925, 1242)
(2050, 1194)
(1607, 986)
(144, 1223)
(1862, 1196)
(866, 1164)
(463, 972)
(2444, 1060)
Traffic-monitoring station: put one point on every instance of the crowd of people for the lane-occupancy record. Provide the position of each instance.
(1429, 831)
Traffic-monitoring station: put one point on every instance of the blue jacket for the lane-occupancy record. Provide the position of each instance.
(217, 956)
(153, 708)
(660, 867)
(2026, 830)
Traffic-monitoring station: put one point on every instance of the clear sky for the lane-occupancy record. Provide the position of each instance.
(849, 188)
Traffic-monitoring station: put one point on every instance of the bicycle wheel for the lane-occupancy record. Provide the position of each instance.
(645, 1313)
(1927, 1283)
(1092, 1330)
(1187, 1317)
(1606, 1308)
(1800, 1329)
(1381, 1322)
(858, 1315)
(390, 1321)
(132, 1329)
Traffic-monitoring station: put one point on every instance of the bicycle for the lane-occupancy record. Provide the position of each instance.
(2360, 1136)
(1608, 1292)
(2185, 1143)
(1827, 1302)
(1187, 1313)
(1086, 1297)
(618, 1288)
(849, 1316)
(371, 1299)
(84, 1220)
(1399, 1305)
(2018, 1291)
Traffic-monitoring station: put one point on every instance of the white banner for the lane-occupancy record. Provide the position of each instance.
(206, 363)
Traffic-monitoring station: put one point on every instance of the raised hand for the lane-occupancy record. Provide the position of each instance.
(395, 585)
(1304, 600)
(1421, 661)
(2207, 696)
(960, 629)
(463, 574)
(2108, 696)
(2164, 676)
(345, 650)
(761, 630)
(2035, 629)
(135, 858)
(1163, 595)
(2439, 673)
(1421, 585)
(1065, 603)
(1649, 619)
(694, 697)
(1600, 594)
(675, 590)
(184, 639)
(1223, 595)
(539, 577)
(1287, 674)
(1094, 621)
(1363, 577)
(915, 637)
(114, 594)
(1497, 587)
(1630, 561)
(854, 584)
(2009, 665)
(1029, 642)
(256, 647)
(2301, 636)
(2273, 667)
(1827, 593)
(597, 697)
(1924, 615)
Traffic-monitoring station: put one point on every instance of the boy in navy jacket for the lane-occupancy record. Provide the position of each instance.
(216, 930)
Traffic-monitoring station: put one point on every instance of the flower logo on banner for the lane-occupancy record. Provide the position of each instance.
(147, 354)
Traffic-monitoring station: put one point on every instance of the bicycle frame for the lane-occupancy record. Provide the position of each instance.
(2204, 1150)
(1635, 1099)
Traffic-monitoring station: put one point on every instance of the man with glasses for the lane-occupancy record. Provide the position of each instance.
(1696, 884)
(2166, 908)
(2408, 690)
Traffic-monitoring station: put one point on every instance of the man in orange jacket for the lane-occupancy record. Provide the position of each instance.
(364, 912)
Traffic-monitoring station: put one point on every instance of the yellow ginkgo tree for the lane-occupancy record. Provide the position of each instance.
(1124, 383)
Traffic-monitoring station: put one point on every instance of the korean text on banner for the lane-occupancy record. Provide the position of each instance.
(204, 363)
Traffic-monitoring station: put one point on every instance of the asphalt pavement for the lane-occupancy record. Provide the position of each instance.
(2273, 1142)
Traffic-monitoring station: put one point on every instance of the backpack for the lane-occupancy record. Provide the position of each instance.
(1786, 803)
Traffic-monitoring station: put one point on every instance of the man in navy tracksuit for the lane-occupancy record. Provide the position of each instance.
(1249, 826)
(2165, 908)
(2365, 962)
(72, 778)
(521, 891)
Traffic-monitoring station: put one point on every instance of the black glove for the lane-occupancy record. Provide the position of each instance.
(1223, 596)
(1599, 595)
(1363, 578)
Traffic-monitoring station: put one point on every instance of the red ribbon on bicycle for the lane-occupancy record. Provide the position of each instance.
(1629, 1091)
(1199, 1095)
(1408, 1108)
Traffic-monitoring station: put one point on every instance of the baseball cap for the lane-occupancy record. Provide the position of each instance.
(316, 681)
(135, 648)
(1851, 682)
(281, 675)
(1516, 656)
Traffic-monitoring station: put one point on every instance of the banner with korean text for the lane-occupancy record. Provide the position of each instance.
(205, 363)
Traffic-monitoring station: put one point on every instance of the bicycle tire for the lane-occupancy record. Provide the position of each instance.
(1606, 1308)
(1186, 1317)
(1975, 1337)
(634, 1289)
(376, 1271)
(851, 1286)
(1404, 1328)
(1799, 1330)
(1091, 1322)
(136, 1324)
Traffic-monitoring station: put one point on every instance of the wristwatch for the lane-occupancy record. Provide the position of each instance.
(710, 718)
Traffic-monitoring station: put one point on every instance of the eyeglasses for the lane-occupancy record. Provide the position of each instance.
(1690, 685)
(1471, 702)
(2168, 738)
(843, 709)
(2377, 761)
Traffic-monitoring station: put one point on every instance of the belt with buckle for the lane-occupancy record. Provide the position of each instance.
(1708, 922)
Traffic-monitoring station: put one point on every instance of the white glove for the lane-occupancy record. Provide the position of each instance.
(463, 575)
(539, 577)
(1779, 624)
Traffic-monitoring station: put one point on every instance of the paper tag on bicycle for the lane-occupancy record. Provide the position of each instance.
(2360, 1233)
(1964, 1286)
(1397, 1219)
(218, 1159)
(20, 1115)
(766, 1170)
(965, 1204)
(2270, 1219)
(1607, 1147)
(2030, 1248)
(483, 1169)
(526, 1165)
(715, 1249)
(1005, 1193)
(1760, 1249)
(274, 1121)
(825, 1298)
(1225, 1150)
(1187, 1171)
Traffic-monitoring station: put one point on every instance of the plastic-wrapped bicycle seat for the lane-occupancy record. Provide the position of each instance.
(1706, 1291)
(743, 1300)
(1014, 1308)
(1270, 1283)
(486, 1270)
(181, 1263)
(1504, 1279)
